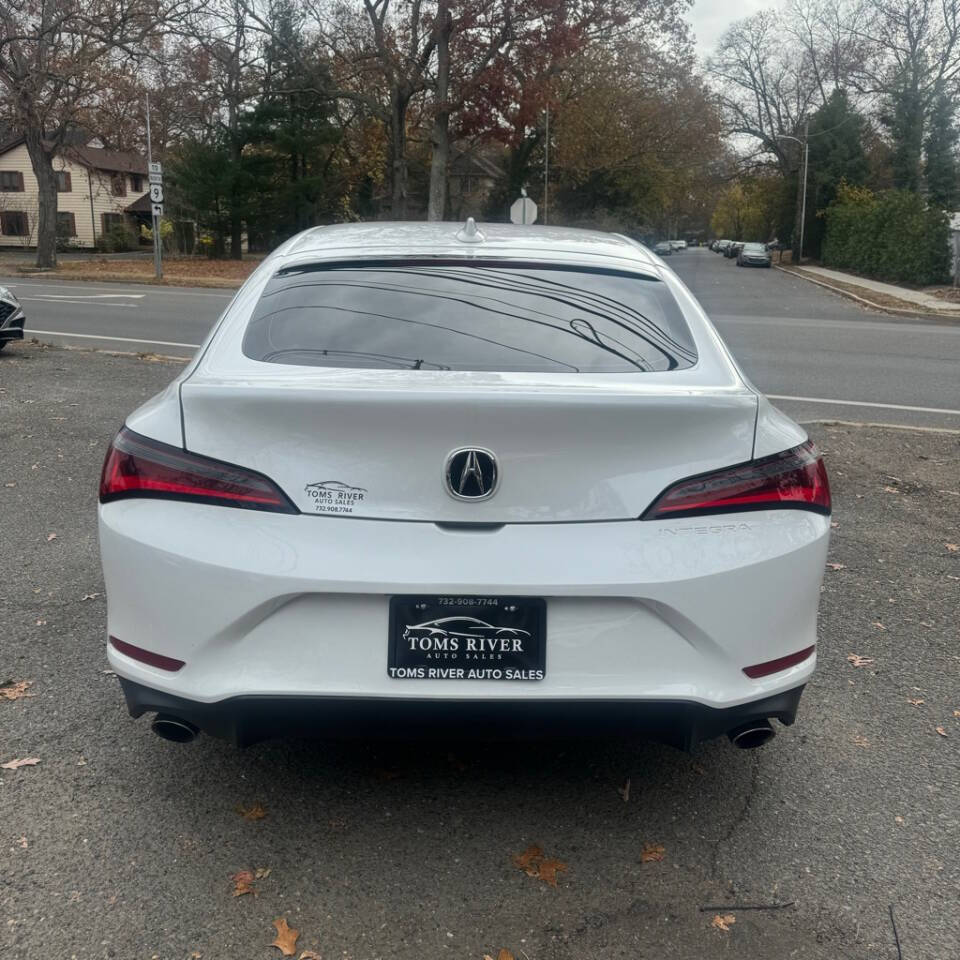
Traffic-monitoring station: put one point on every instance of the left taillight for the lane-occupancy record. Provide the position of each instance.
(795, 478)
(136, 466)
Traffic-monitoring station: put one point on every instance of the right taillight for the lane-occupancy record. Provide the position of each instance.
(137, 466)
(795, 479)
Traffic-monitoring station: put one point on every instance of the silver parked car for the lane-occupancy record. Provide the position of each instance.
(753, 255)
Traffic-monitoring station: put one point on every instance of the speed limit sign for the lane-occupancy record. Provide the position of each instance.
(156, 193)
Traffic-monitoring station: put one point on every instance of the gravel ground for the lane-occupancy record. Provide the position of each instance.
(120, 845)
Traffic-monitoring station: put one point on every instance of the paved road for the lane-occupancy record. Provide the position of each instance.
(119, 845)
(794, 339)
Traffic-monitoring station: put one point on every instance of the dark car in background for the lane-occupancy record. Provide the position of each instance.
(753, 255)
(11, 317)
(663, 249)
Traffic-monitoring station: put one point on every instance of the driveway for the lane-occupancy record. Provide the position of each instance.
(120, 845)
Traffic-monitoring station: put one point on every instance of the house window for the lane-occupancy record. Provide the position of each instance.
(136, 183)
(64, 183)
(112, 220)
(11, 181)
(118, 185)
(14, 223)
(66, 224)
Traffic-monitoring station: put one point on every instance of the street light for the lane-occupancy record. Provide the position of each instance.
(805, 143)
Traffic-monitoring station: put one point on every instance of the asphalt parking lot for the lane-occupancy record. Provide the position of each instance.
(117, 844)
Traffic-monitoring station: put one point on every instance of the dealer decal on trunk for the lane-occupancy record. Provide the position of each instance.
(333, 496)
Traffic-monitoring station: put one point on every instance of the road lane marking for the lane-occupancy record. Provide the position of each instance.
(865, 403)
(769, 396)
(76, 301)
(87, 296)
(94, 336)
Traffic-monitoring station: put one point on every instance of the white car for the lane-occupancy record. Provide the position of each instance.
(533, 428)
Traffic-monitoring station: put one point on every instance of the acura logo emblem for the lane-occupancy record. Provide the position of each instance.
(471, 474)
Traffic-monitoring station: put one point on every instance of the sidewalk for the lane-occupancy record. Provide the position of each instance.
(883, 295)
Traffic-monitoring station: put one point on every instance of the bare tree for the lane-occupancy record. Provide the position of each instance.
(52, 59)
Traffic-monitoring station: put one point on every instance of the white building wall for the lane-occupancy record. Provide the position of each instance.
(84, 184)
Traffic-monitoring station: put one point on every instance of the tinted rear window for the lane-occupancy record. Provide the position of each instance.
(477, 316)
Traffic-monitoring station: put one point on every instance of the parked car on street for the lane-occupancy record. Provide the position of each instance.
(491, 478)
(722, 246)
(733, 248)
(678, 245)
(11, 317)
(753, 255)
(663, 249)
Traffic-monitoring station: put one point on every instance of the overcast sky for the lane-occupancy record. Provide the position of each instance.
(711, 17)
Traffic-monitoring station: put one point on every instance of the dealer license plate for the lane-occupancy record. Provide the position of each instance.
(467, 638)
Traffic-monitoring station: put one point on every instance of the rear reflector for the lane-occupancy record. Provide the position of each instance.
(794, 479)
(146, 656)
(781, 663)
(137, 466)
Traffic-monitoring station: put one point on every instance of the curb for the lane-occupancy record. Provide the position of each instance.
(911, 316)
(208, 283)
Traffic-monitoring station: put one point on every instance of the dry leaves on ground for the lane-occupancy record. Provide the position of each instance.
(286, 939)
(255, 812)
(25, 762)
(916, 702)
(652, 853)
(942, 731)
(243, 883)
(723, 921)
(534, 864)
(51, 537)
(859, 661)
(890, 490)
(861, 741)
(837, 566)
(15, 689)
(952, 547)
(504, 954)
(309, 955)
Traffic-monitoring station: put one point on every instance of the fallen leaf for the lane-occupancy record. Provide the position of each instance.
(624, 791)
(941, 731)
(89, 596)
(916, 702)
(309, 955)
(261, 873)
(861, 741)
(533, 863)
(549, 870)
(286, 937)
(890, 490)
(898, 819)
(24, 843)
(504, 954)
(41, 623)
(243, 883)
(952, 547)
(51, 537)
(529, 860)
(255, 812)
(652, 853)
(878, 625)
(10, 690)
(837, 566)
(723, 921)
(859, 661)
(14, 764)
(956, 713)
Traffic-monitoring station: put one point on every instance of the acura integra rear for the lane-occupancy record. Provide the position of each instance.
(497, 479)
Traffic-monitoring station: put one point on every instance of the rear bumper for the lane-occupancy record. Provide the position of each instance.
(249, 719)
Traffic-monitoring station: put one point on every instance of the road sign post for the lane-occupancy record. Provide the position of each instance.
(155, 172)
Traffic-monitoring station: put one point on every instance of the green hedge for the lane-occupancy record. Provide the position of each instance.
(891, 236)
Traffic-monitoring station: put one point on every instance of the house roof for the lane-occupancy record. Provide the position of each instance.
(114, 161)
(140, 205)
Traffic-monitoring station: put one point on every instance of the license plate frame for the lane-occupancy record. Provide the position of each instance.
(492, 638)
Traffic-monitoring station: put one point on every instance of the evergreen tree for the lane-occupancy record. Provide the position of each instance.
(941, 167)
(902, 114)
(836, 155)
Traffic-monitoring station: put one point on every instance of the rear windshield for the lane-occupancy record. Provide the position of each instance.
(451, 315)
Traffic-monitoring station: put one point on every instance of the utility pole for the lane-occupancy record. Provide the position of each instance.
(801, 185)
(546, 171)
(155, 207)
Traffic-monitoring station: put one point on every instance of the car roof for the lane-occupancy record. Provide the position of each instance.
(493, 241)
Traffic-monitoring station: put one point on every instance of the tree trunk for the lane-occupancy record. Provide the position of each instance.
(399, 101)
(440, 135)
(42, 162)
(797, 253)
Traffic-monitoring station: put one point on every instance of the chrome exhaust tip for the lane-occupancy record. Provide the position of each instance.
(749, 736)
(173, 729)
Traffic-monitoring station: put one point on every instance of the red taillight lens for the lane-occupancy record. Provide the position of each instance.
(139, 467)
(794, 479)
(146, 656)
(781, 663)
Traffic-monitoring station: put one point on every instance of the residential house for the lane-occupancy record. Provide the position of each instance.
(97, 190)
(473, 176)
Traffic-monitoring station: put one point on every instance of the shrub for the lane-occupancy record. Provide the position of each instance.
(892, 236)
(117, 240)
